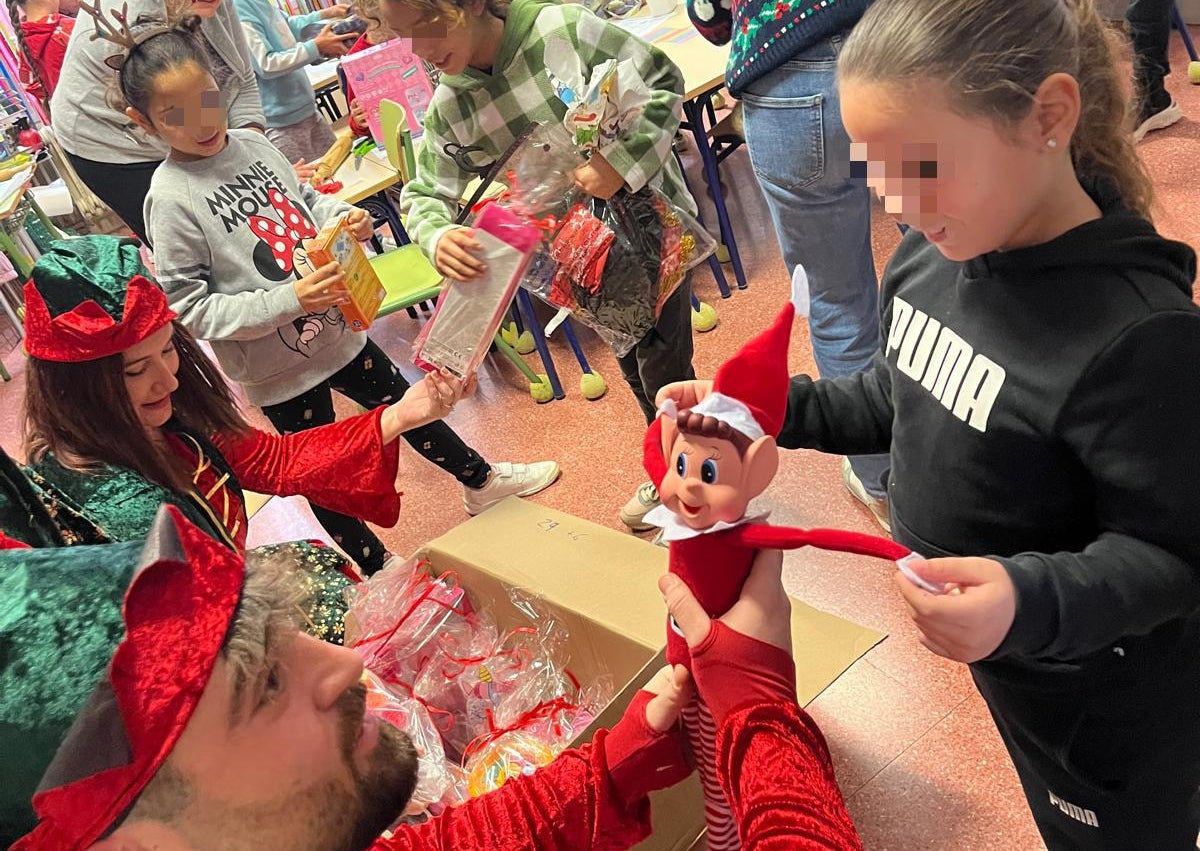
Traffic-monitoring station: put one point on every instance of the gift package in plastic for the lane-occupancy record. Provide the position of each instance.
(498, 705)
(613, 262)
(469, 313)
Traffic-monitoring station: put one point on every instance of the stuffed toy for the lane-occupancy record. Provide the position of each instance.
(709, 462)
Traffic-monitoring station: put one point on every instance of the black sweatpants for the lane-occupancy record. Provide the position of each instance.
(1150, 32)
(1109, 759)
(665, 354)
(122, 186)
(371, 380)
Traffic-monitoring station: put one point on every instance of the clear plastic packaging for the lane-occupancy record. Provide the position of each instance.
(406, 713)
(469, 313)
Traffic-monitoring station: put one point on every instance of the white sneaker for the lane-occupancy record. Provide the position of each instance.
(1156, 118)
(507, 480)
(878, 506)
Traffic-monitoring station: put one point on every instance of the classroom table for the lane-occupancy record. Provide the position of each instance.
(703, 66)
(324, 80)
(365, 183)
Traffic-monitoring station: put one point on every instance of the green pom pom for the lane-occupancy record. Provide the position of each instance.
(592, 386)
(1194, 72)
(508, 333)
(541, 391)
(524, 344)
(704, 319)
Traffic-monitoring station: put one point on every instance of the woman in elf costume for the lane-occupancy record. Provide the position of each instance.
(123, 412)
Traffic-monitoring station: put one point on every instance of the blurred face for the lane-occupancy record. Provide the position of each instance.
(150, 368)
(450, 47)
(293, 761)
(187, 112)
(205, 8)
(969, 186)
(705, 481)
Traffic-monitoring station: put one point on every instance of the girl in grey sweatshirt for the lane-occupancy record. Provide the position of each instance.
(228, 220)
(111, 154)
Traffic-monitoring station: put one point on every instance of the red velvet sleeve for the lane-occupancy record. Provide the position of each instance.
(774, 766)
(592, 798)
(344, 466)
(759, 536)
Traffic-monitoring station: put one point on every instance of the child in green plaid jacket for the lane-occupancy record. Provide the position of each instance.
(494, 83)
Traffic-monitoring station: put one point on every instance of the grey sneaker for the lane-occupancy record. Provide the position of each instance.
(878, 506)
(633, 513)
(508, 480)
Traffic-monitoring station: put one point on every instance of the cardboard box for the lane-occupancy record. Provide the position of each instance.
(335, 242)
(603, 585)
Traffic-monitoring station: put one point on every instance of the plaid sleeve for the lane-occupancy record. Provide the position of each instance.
(430, 200)
(646, 149)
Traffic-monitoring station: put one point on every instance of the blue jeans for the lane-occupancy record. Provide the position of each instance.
(801, 156)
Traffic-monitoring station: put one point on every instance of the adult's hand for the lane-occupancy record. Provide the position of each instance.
(339, 10)
(745, 656)
(430, 399)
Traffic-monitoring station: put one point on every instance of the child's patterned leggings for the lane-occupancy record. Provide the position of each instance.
(701, 732)
(371, 380)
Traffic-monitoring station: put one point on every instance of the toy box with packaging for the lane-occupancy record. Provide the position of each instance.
(336, 243)
(599, 588)
(390, 70)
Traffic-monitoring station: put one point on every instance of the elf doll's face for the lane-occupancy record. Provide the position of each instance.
(709, 481)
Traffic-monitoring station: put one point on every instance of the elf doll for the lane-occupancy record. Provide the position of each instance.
(708, 463)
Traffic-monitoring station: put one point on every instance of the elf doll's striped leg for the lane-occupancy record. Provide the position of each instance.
(702, 737)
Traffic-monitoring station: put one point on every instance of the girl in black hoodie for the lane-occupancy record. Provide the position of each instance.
(1039, 392)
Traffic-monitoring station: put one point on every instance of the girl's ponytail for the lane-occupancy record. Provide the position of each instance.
(1103, 142)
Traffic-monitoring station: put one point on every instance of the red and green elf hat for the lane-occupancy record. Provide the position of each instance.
(177, 612)
(91, 297)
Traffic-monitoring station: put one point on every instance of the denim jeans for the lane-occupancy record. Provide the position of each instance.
(801, 156)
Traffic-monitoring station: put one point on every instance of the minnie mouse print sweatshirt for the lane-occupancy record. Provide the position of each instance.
(227, 232)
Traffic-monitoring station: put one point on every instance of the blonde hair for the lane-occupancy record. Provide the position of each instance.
(992, 55)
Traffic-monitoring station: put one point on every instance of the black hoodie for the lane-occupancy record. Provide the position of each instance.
(1042, 407)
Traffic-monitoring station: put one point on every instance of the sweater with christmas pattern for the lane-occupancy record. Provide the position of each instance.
(764, 34)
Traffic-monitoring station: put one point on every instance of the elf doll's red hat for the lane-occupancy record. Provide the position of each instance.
(749, 392)
(177, 613)
(91, 297)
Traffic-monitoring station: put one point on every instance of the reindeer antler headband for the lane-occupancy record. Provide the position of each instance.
(120, 33)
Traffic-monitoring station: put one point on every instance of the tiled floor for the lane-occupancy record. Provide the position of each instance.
(915, 750)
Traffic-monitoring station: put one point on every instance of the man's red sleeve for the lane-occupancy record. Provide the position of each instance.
(593, 798)
(343, 467)
(775, 769)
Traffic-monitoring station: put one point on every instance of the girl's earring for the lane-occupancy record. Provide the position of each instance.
(1051, 143)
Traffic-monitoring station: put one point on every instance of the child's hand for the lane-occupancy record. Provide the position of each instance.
(360, 224)
(304, 171)
(454, 257)
(429, 400)
(687, 394)
(970, 621)
(598, 178)
(357, 114)
(322, 289)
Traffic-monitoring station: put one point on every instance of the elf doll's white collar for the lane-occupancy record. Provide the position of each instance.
(674, 529)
